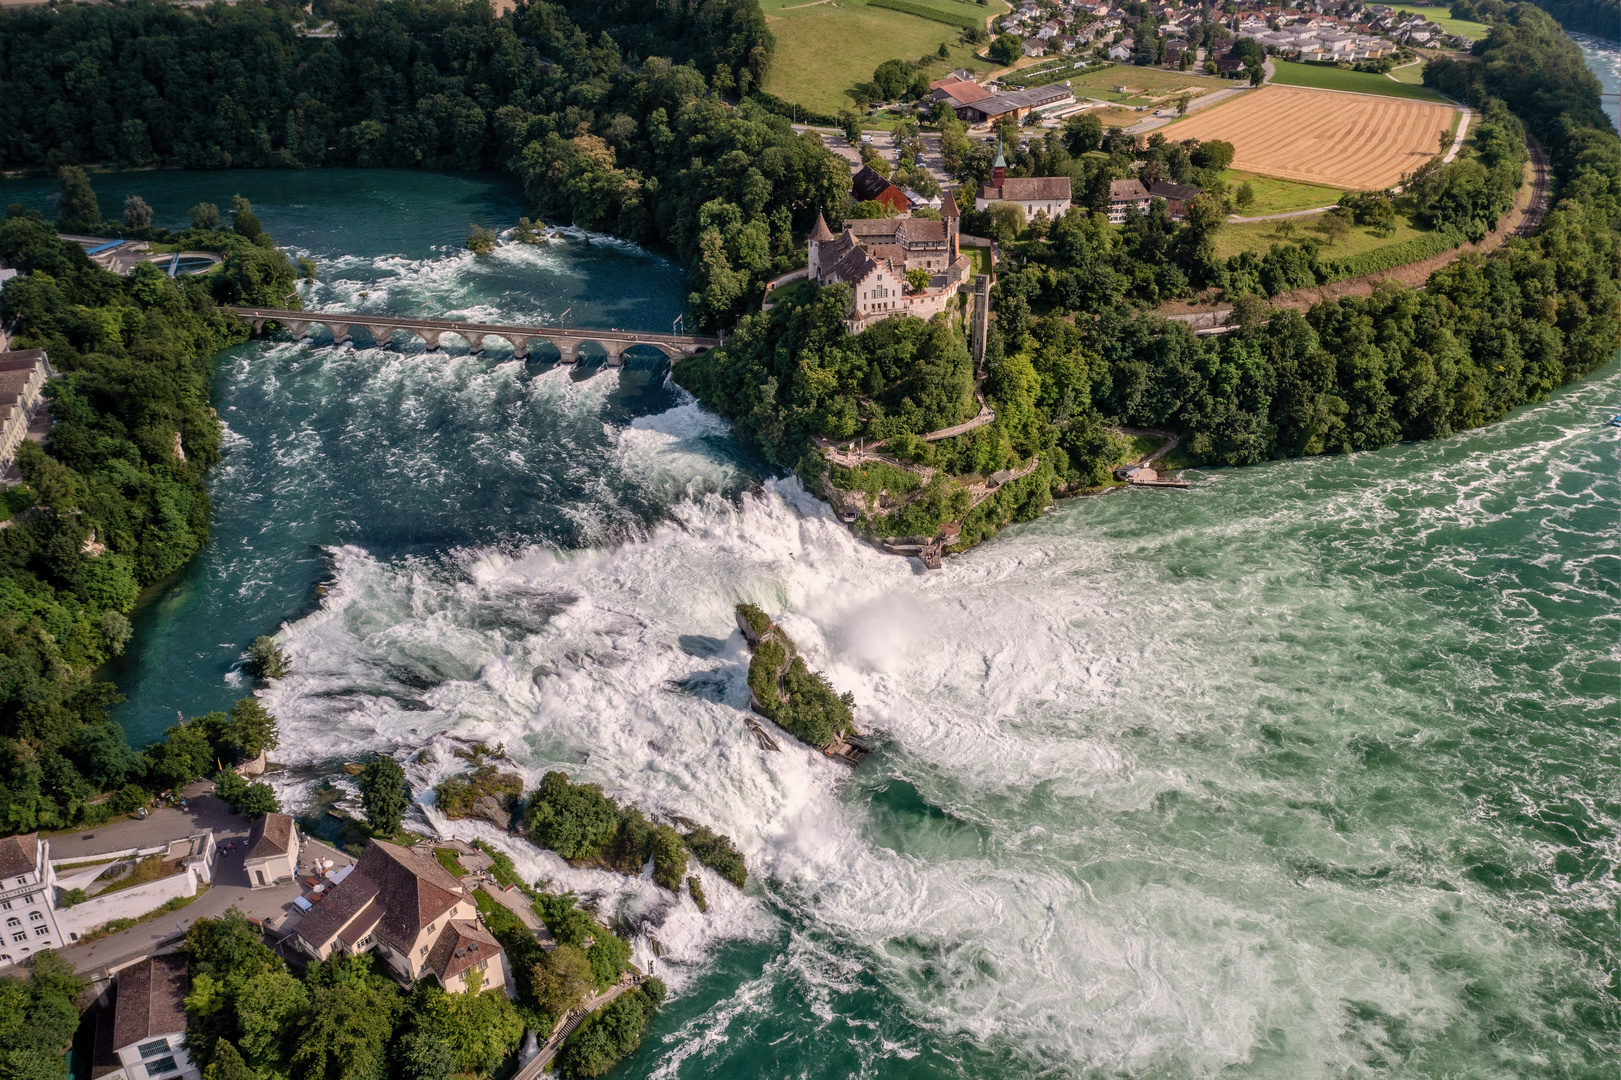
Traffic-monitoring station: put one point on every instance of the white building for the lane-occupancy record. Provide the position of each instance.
(147, 1036)
(1051, 195)
(272, 851)
(27, 902)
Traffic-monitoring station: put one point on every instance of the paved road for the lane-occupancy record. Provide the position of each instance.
(230, 878)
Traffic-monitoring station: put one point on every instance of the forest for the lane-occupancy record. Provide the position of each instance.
(614, 116)
(115, 503)
(1069, 356)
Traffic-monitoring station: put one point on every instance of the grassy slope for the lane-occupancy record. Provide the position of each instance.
(1363, 82)
(824, 50)
(1280, 196)
(1260, 235)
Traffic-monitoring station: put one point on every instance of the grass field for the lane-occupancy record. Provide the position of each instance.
(824, 50)
(1345, 141)
(1258, 236)
(1140, 82)
(1361, 82)
(1274, 196)
(1411, 74)
(1442, 17)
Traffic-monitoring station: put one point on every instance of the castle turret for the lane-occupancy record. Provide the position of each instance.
(953, 219)
(820, 235)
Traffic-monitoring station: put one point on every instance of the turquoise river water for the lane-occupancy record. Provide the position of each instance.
(1310, 771)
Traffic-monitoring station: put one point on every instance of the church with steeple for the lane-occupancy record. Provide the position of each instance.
(1050, 195)
(873, 256)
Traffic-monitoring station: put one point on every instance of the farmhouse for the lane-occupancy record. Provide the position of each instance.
(403, 906)
(867, 186)
(1015, 104)
(1048, 194)
(958, 92)
(1176, 196)
(873, 256)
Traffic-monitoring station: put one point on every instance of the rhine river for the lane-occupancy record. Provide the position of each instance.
(1309, 771)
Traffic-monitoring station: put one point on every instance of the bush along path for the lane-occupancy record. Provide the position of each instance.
(789, 694)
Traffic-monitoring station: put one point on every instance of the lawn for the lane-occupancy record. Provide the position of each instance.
(449, 859)
(981, 258)
(1280, 196)
(824, 50)
(1260, 235)
(1361, 82)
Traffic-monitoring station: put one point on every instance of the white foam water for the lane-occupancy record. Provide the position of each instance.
(1167, 785)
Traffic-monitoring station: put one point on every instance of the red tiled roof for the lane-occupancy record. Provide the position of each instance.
(463, 944)
(151, 1000)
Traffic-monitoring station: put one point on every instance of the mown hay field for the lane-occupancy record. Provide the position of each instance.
(1346, 141)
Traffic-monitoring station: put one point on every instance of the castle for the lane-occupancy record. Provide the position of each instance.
(873, 256)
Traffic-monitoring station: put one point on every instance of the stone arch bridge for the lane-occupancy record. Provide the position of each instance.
(522, 338)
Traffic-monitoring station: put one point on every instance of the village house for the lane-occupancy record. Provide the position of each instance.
(272, 851)
(1125, 195)
(143, 1035)
(408, 910)
(872, 257)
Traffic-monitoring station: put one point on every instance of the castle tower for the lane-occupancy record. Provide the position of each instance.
(953, 219)
(820, 235)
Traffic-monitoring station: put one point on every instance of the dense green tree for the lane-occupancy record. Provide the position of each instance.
(383, 794)
(76, 199)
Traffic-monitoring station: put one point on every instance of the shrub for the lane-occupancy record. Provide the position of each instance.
(717, 852)
(669, 858)
(265, 658)
(696, 887)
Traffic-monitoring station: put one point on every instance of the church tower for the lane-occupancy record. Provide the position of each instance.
(998, 167)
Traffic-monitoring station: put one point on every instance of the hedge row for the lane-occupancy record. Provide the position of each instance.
(967, 22)
(1387, 258)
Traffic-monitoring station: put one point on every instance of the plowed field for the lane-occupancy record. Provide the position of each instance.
(1343, 140)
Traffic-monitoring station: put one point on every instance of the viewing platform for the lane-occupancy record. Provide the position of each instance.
(614, 343)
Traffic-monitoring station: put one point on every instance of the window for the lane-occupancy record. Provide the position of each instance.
(161, 1066)
(36, 916)
(20, 936)
(22, 881)
(6, 904)
(260, 874)
(41, 931)
(5, 958)
(29, 899)
(14, 921)
(154, 1048)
